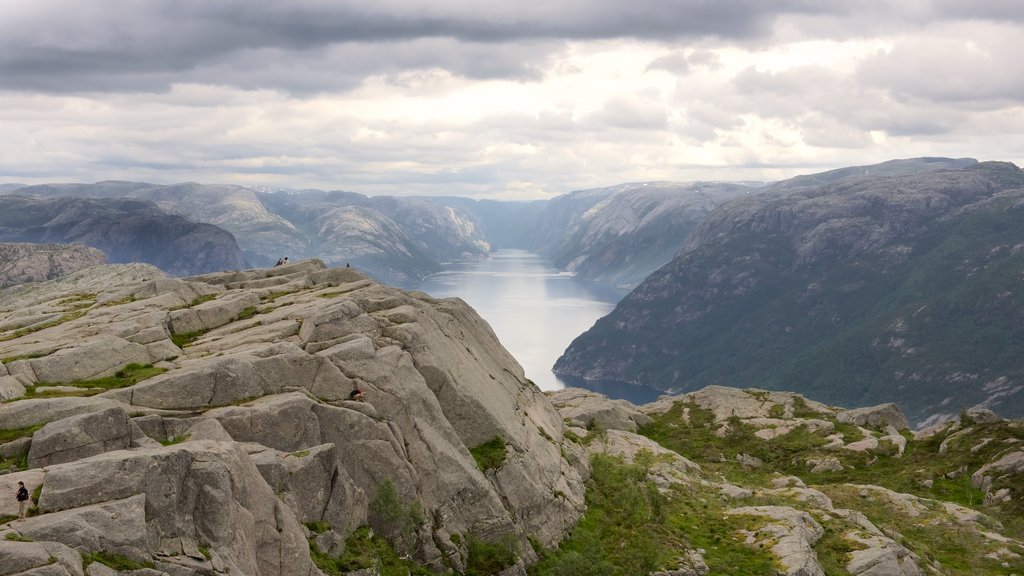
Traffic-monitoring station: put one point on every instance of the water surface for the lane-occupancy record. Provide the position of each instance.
(535, 310)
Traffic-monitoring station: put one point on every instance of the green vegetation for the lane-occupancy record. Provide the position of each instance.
(246, 313)
(66, 317)
(633, 528)
(126, 300)
(15, 537)
(5, 518)
(115, 561)
(395, 519)
(364, 551)
(10, 359)
(176, 440)
(486, 558)
(123, 378)
(318, 527)
(14, 463)
(184, 339)
(15, 433)
(490, 455)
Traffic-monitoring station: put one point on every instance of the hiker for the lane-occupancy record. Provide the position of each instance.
(22, 500)
(285, 260)
(356, 395)
(279, 262)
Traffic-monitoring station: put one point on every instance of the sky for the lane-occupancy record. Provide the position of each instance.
(514, 100)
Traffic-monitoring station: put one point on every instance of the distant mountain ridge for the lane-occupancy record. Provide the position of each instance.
(126, 230)
(615, 235)
(851, 288)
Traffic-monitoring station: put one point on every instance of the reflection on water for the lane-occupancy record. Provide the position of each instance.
(535, 309)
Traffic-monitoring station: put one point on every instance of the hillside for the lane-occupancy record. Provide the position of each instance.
(726, 481)
(21, 263)
(858, 290)
(619, 235)
(125, 230)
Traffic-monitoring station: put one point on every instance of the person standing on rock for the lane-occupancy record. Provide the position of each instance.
(22, 497)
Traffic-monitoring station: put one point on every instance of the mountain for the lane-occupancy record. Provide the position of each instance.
(126, 230)
(619, 235)
(21, 263)
(398, 240)
(851, 288)
(204, 426)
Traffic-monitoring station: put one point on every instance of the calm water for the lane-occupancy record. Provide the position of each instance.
(535, 310)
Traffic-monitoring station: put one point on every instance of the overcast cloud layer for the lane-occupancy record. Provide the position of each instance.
(514, 100)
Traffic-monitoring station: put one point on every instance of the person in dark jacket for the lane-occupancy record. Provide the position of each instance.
(22, 497)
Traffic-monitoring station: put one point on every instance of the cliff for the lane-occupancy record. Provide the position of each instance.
(850, 288)
(204, 426)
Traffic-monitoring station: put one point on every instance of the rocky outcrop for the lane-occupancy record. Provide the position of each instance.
(876, 416)
(590, 409)
(832, 286)
(22, 263)
(244, 430)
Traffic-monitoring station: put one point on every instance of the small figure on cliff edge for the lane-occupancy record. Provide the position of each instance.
(356, 395)
(279, 262)
(22, 497)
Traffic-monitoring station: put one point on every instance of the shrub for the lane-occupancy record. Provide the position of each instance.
(490, 455)
(394, 519)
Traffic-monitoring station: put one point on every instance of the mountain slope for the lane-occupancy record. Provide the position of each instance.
(861, 290)
(619, 235)
(22, 262)
(126, 230)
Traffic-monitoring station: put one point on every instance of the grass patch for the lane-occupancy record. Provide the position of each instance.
(14, 463)
(115, 561)
(186, 338)
(490, 455)
(14, 537)
(246, 313)
(176, 440)
(67, 317)
(15, 433)
(126, 300)
(267, 298)
(318, 527)
(5, 518)
(631, 527)
(10, 359)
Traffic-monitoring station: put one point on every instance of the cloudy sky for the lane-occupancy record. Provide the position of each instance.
(512, 99)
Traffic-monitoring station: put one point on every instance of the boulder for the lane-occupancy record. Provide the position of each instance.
(10, 388)
(1012, 463)
(91, 359)
(593, 409)
(212, 314)
(25, 413)
(791, 533)
(80, 436)
(206, 492)
(39, 558)
(875, 416)
(982, 416)
(667, 467)
(103, 526)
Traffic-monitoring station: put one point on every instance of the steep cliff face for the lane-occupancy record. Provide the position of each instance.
(241, 432)
(23, 262)
(619, 235)
(860, 290)
(126, 230)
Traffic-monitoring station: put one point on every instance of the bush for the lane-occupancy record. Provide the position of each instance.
(394, 519)
(490, 455)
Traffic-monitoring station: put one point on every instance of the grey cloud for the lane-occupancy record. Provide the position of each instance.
(62, 45)
(952, 69)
